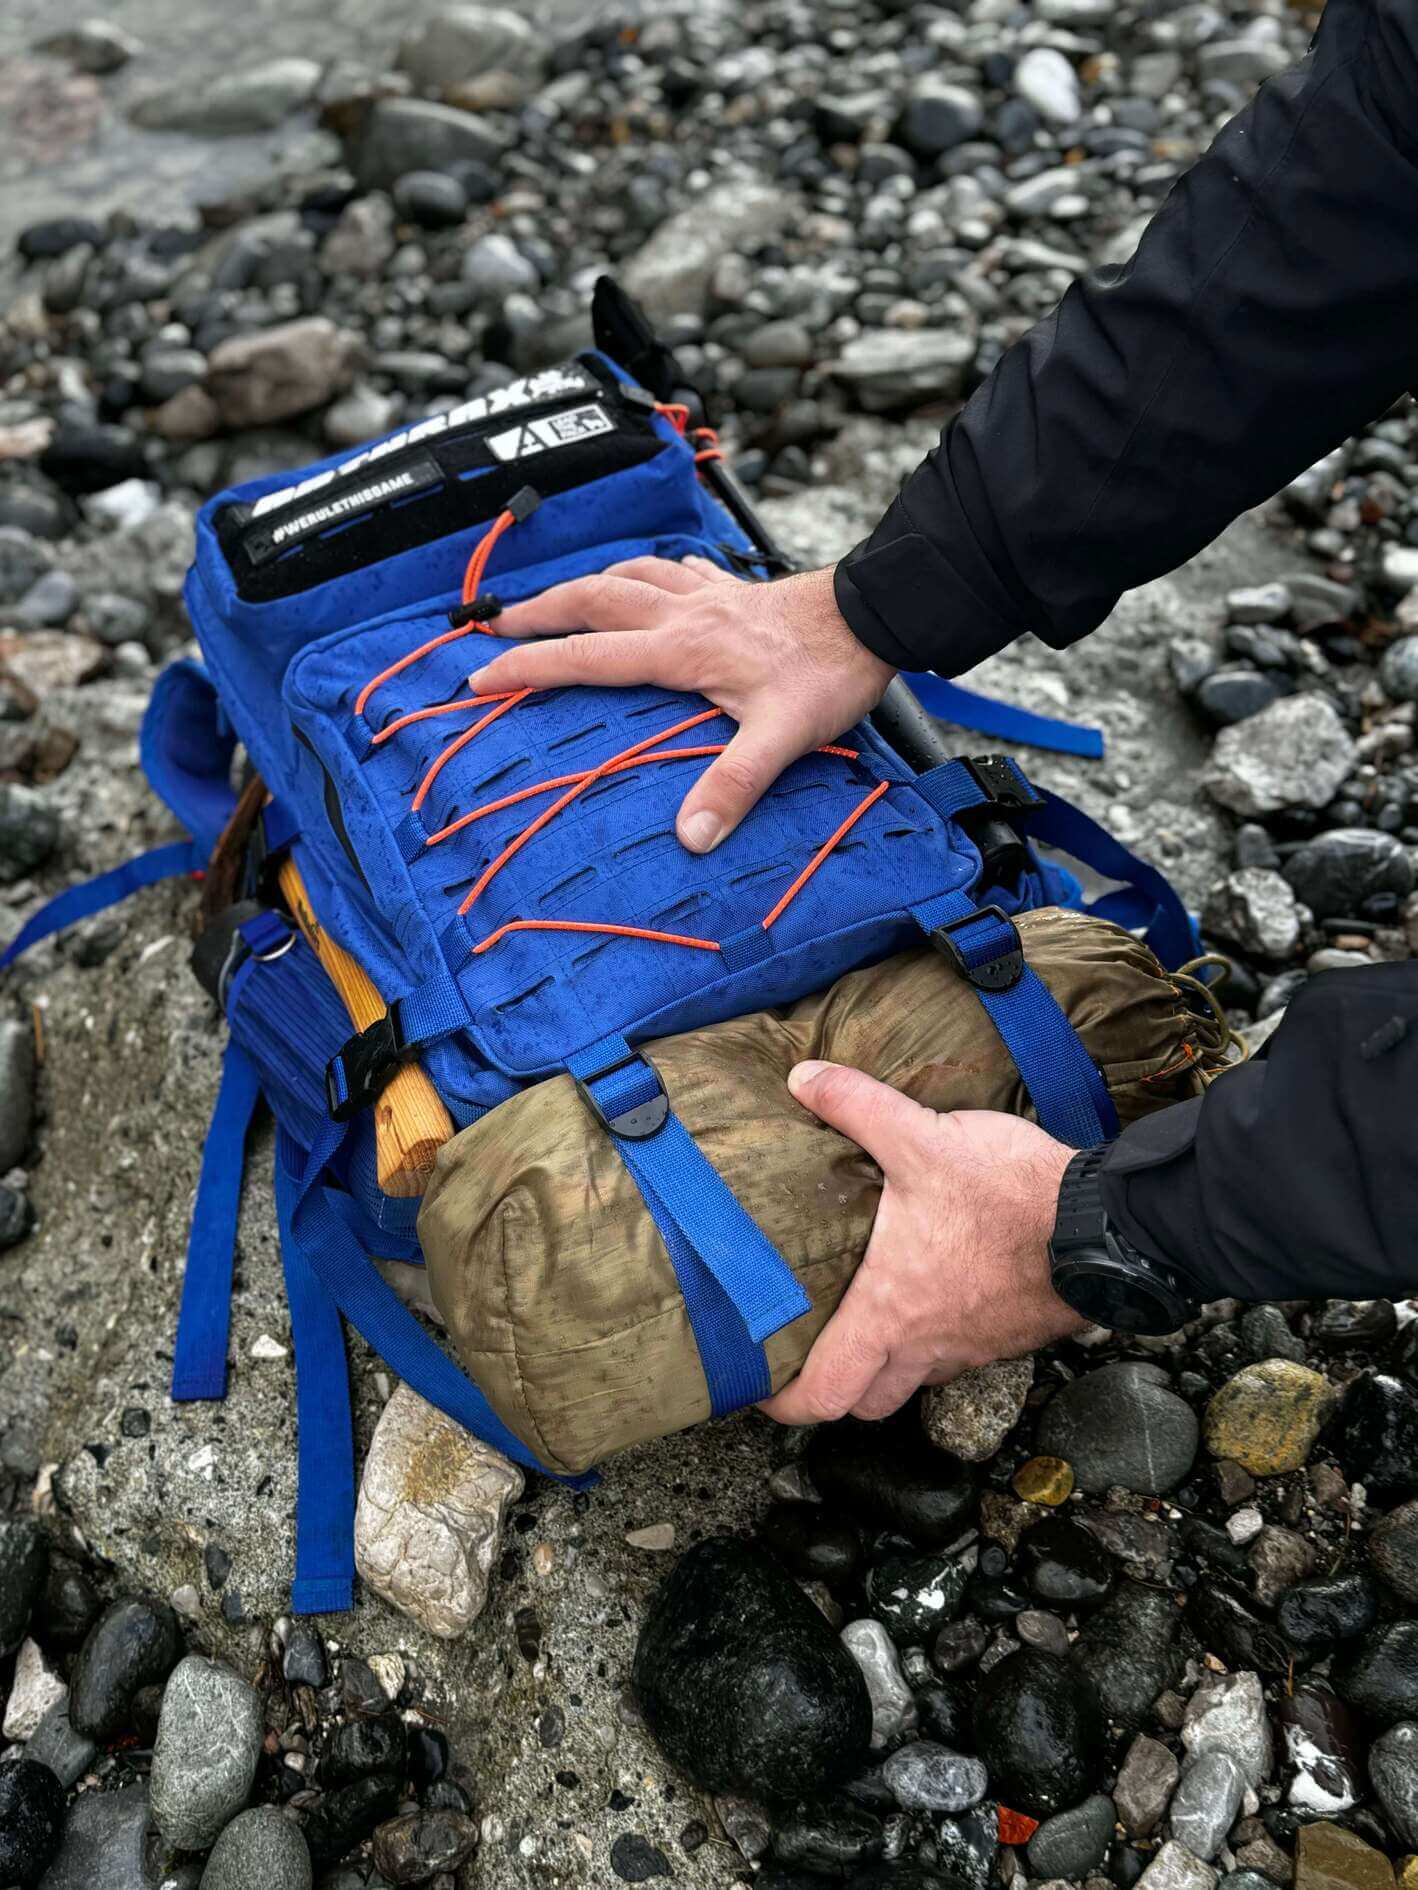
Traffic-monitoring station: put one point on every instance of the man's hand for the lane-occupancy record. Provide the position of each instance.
(776, 657)
(956, 1272)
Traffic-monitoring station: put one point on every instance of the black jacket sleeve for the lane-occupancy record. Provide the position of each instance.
(1295, 1176)
(1271, 308)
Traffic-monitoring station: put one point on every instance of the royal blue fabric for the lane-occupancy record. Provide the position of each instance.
(738, 1289)
(204, 1319)
(101, 892)
(1150, 901)
(1064, 1084)
(186, 746)
(966, 708)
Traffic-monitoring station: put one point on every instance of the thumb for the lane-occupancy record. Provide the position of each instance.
(877, 1117)
(732, 785)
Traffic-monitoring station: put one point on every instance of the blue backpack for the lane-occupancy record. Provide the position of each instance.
(505, 871)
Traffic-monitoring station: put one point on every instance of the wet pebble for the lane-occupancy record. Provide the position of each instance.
(412, 1848)
(892, 1478)
(361, 1747)
(828, 1838)
(31, 1820)
(913, 1596)
(1375, 1435)
(1039, 1731)
(24, 1558)
(927, 1777)
(133, 1644)
(893, 1709)
(1321, 1746)
(1121, 1425)
(1064, 1565)
(811, 1543)
(1324, 1609)
(1206, 1802)
(1378, 1673)
(1073, 1842)
(1127, 1651)
(1267, 1417)
(1146, 1781)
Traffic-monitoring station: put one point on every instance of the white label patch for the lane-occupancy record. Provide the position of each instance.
(554, 429)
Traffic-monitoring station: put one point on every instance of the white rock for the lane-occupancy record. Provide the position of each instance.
(34, 1689)
(463, 42)
(657, 1537)
(1296, 753)
(1255, 908)
(266, 1348)
(1244, 1525)
(1174, 1868)
(671, 273)
(1045, 79)
(1227, 1713)
(428, 1525)
(893, 1709)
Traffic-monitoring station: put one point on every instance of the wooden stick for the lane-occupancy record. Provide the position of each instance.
(410, 1122)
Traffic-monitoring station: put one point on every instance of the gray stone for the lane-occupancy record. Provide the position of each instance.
(97, 47)
(927, 1777)
(362, 414)
(55, 1743)
(496, 268)
(1398, 672)
(1145, 1785)
(204, 1759)
(1259, 603)
(1393, 1549)
(893, 1710)
(1118, 1425)
(398, 135)
(1254, 908)
(1296, 753)
(16, 1092)
(49, 602)
(1227, 1713)
(1242, 61)
(428, 1525)
(974, 1413)
(1393, 1767)
(362, 240)
(1072, 1842)
(24, 560)
(672, 272)
(937, 116)
(889, 369)
(1207, 1802)
(281, 372)
(103, 1844)
(167, 370)
(234, 102)
(1045, 79)
(1174, 1868)
(463, 42)
(259, 1850)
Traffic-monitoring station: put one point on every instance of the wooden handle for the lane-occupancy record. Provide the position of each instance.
(410, 1123)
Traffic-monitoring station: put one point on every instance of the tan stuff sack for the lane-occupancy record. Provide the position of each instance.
(550, 1273)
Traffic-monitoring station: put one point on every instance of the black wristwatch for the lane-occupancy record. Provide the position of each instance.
(1100, 1273)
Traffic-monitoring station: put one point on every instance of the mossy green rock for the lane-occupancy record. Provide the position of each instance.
(1268, 1416)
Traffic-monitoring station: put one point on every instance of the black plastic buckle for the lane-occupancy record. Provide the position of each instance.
(355, 1077)
(999, 973)
(1001, 783)
(484, 607)
(636, 1124)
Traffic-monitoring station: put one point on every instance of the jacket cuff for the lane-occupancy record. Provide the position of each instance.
(1151, 1187)
(909, 599)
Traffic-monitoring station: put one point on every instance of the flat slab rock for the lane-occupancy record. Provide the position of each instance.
(429, 1520)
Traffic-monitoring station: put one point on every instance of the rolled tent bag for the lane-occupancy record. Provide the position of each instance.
(550, 1274)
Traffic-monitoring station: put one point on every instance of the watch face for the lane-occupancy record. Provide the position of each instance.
(1120, 1302)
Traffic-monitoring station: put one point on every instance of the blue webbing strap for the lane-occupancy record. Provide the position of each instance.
(204, 1318)
(1066, 1088)
(101, 892)
(967, 709)
(1150, 900)
(737, 1287)
(325, 1487)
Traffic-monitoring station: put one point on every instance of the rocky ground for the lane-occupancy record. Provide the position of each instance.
(1153, 1600)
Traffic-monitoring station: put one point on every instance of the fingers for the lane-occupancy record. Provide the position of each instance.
(841, 1367)
(602, 661)
(880, 1119)
(602, 602)
(731, 785)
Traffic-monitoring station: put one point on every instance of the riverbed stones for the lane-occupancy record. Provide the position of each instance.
(204, 1760)
(1375, 1435)
(24, 1557)
(1322, 1751)
(1121, 1425)
(892, 371)
(1296, 753)
(31, 1820)
(423, 1843)
(1206, 1802)
(398, 135)
(893, 1708)
(34, 1690)
(1146, 1781)
(890, 1476)
(1327, 1857)
(742, 1682)
(974, 1413)
(1324, 1609)
(1227, 1713)
(671, 273)
(1174, 1868)
(1039, 1731)
(55, 1743)
(281, 372)
(133, 1644)
(260, 1847)
(1267, 1417)
(1393, 1550)
(913, 1596)
(924, 1776)
(1377, 1674)
(463, 42)
(1126, 1652)
(428, 1524)
(1073, 1842)
(1393, 1767)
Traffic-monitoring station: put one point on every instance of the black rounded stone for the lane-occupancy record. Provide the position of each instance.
(31, 1821)
(24, 1559)
(1226, 1625)
(828, 1837)
(133, 1644)
(361, 1747)
(1324, 1609)
(1348, 1323)
(1334, 873)
(1375, 1435)
(741, 1680)
(68, 1607)
(1378, 1674)
(429, 1755)
(347, 1817)
(90, 457)
(811, 1543)
(944, 1714)
(914, 1596)
(1064, 1565)
(1039, 1731)
(1127, 1651)
(890, 1477)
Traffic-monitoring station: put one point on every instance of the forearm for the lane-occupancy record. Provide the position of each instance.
(1268, 312)
(1293, 1177)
